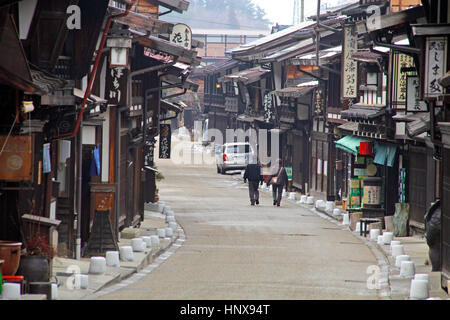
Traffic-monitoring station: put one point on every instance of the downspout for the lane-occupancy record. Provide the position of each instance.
(78, 125)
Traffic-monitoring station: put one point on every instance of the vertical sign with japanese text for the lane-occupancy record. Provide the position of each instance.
(116, 85)
(182, 35)
(164, 141)
(435, 65)
(349, 66)
(268, 108)
(413, 102)
(401, 61)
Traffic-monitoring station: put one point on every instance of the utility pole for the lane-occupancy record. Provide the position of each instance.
(299, 12)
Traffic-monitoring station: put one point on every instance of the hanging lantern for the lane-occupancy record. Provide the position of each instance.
(120, 43)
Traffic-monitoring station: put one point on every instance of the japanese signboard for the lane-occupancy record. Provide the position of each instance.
(400, 62)
(17, 158)
(435, 65)
(268, 107)
(349, 66)
(413, 102)
(116, 85)
(164, 141)
(182, 35)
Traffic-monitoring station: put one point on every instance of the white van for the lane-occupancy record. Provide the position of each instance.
(233, 156)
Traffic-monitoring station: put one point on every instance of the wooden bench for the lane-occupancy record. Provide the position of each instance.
(364, 222)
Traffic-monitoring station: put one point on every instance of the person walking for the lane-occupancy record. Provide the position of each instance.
(253, 175)
(278, 180)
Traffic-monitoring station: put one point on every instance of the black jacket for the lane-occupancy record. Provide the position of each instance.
(283, 178)
(253, 173)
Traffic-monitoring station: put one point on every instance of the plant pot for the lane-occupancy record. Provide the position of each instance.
(10, 253)
(34, 269)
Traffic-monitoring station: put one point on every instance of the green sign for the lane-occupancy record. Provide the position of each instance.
(289, 172)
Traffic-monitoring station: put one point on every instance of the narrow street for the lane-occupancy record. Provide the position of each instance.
(237, 251)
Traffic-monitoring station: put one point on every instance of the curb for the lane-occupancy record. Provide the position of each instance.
(148, 260)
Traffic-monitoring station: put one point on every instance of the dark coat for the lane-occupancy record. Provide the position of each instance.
(283, 178)
(253, 173)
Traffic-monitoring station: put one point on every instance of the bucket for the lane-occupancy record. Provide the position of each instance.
(372, 192)
(10, 253)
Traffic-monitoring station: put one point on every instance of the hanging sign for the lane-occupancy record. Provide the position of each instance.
(182, 35)
(16, 158)
(349, 66)
(116, 85)
(435, 65)
(413, 102)
(164, 141)
(268, 107)
(288, 172)
(400, 60)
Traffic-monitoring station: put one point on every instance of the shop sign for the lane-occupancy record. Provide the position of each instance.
(17, 158)
(413, 102)
(182, 35)
(435, 65)
(164, 141)
(116, 85)
(349, 66)
(400, 60)
(268, 107)
(371, 195)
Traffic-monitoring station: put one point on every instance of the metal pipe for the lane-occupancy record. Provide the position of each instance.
(94, 70)
(79, 166)
(77, 132)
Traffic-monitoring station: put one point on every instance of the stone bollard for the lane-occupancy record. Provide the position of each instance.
(387, 237)
(11, 291)
(155, 241)
(407, 269)
(81, 281)
(337, 212)
(169, 232)
(380, 240)
(97, 265)
(170, 219)
(346, 219)
(126, 253)
(148, 241)
(419, 289)
(303, 199)
(399, 259)
(112, 259)
(161, 233)
(138, 245)
(173, 225)
(395, 243)
(374, 234)
(292, 196)
(397, 250)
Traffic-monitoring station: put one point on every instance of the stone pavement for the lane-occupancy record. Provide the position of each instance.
(393, 286)
(64, 269)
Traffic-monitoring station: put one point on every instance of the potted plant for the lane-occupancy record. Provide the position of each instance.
(34, 263)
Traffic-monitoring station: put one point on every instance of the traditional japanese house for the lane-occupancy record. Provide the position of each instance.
(431, 37)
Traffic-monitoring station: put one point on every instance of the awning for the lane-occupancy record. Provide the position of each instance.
(364, 111)
(325, 56)
(349, 126)
(296, 91)
(365, 55)
(14, 69)
(169, 106)
(350, 144)
(445, 80)
(246, 76)
(68, 97)
(142, 22)
(175, 5)
(384, 154)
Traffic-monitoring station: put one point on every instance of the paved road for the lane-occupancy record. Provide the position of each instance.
(237, 251)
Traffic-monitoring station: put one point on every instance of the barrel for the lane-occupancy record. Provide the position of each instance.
(372, 192)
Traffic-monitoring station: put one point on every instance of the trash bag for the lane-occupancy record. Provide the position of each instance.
(401, 218)
(433, 234)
